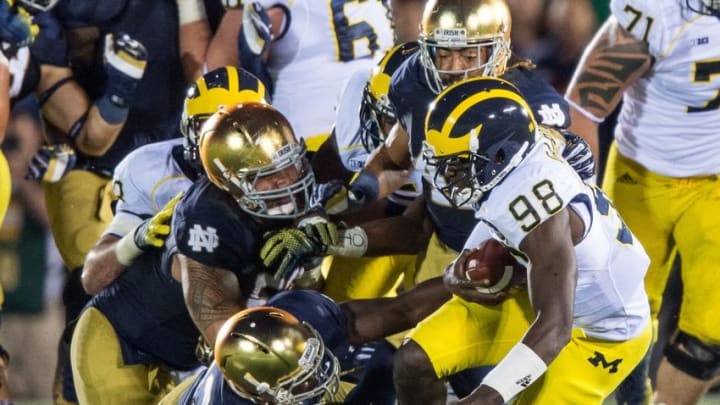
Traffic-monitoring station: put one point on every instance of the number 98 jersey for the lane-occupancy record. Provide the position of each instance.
(669, 119)
(610, 299)
(327, 40)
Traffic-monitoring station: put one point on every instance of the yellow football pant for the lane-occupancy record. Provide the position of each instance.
(79, 210)
(669, 215)
(436, 258)
(5, 192)
(462, 335)
(100, 374)
(348, 278)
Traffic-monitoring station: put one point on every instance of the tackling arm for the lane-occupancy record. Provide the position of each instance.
(371, 319)
(613, 61)
(212, 294)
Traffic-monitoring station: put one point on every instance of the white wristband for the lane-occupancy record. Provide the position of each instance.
(191, 11)
(126, 250)
(354, 243)
(516, 371)
(4, 60)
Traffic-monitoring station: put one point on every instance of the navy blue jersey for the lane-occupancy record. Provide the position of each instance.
(145, 305)
(411, 97)
(210, 228)
(155, 111)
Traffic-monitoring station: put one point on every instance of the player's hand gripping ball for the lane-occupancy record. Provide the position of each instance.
(491, 263)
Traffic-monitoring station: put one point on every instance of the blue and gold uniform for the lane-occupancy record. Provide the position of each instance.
(328, 319)
(152, 116)
(132, 333)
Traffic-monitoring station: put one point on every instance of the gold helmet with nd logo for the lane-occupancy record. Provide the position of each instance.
(251, 151)
(268, 356)
(464, 38)
(223, 86)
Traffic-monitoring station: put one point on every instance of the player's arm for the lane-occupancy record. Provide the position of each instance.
(94, 127)
(406, 17)
(194, 37)
(212, 294)
(112, 254)
(552, 292)
(613, 61)
(4, 95)
(371, 319)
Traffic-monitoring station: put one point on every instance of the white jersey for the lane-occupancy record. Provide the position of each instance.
(327, 41)
(144, 181)
(347, 134)
(610, 298)
(670, 122)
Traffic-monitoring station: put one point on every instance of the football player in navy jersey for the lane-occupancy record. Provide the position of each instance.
(328, 334)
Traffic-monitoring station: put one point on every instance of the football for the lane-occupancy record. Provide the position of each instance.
(493, 262)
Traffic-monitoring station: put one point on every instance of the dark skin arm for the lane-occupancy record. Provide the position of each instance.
(101, 265)
(327, 165)
(388, 236)
(612, 63)
(551, 286)
(371, 319)
(212, 294)
(406, 16)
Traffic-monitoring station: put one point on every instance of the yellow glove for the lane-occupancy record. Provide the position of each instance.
(150, 234)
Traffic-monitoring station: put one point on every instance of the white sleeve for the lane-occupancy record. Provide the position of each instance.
(644, 19)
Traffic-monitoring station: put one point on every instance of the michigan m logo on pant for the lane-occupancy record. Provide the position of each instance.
(599, 360)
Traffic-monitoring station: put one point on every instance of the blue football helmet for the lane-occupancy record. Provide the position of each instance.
(477, 131)
(268, 356)
(376, 112)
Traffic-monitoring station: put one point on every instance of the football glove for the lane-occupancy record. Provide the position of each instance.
(287, 249)
(16, 26)
(125, 62)
(51, 163)
(254, 41)
(578, 154)
(319, 229)
(152, 232)
(336, 198)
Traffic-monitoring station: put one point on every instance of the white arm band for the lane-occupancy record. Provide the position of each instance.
(353, 243)
(515, 372)
(191, 11)
(126, 250)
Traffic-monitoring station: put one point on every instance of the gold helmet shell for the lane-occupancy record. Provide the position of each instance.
(458, 24)
(242, 145)
(269, 356)
(222, 86)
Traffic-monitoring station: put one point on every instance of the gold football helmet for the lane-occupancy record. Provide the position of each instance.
(270, 357)
(222, 86)
(250, 151)
(460, 24)
(477, 131)
(376, 113)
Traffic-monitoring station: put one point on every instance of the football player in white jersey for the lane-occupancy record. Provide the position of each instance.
(309, 50)
(660, 57)
(585, 312)
(147, 183)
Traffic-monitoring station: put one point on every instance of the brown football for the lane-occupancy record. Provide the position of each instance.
(491, 261)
